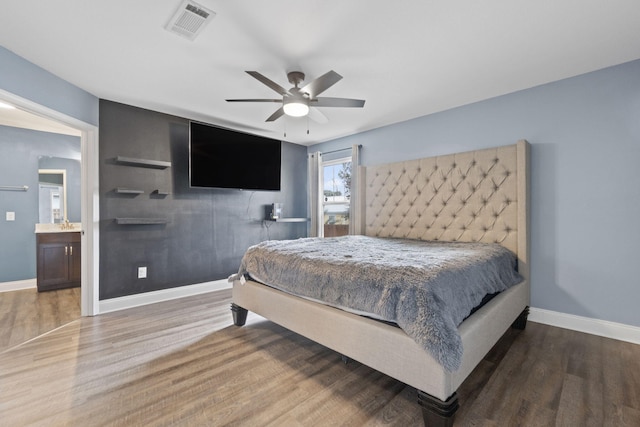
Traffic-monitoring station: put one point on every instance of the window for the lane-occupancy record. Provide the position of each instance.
(334, 206)
(336, 197)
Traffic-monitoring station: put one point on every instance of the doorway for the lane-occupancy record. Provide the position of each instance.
(89, 194)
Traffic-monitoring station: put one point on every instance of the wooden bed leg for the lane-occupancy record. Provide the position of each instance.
(521, 321)
(435, 412)
(239, 314)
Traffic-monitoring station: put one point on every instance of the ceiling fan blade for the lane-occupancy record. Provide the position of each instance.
(254, 100)
(317, 116)
(273, 85)
(275, 116)
(337, 102)
(322, 83)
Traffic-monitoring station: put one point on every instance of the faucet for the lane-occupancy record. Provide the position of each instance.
(66, 225)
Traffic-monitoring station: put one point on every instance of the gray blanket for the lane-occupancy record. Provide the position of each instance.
(426, 288)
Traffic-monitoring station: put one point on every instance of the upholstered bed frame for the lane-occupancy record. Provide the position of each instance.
(474, 196)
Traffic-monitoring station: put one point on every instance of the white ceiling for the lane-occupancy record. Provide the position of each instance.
(406, 58)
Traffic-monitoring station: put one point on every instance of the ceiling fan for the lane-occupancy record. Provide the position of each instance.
(299, 101)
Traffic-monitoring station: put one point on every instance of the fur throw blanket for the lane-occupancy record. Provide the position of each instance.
(427, 288)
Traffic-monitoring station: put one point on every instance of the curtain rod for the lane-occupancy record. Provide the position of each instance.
(341, 149)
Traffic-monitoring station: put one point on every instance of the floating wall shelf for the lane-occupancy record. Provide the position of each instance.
(288, 219)
(121, 190)
(145, 163)
(141, 221)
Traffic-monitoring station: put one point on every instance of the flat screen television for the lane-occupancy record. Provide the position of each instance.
(223, 158)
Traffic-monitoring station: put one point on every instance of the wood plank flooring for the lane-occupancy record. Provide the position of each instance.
(27, 313)
(183, 363)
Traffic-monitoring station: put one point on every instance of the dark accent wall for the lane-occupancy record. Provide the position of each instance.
(208, 230)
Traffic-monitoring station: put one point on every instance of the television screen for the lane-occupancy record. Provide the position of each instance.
(223, 158)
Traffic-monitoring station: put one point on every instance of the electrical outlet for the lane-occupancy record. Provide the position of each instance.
(11, 216)
(142, 272)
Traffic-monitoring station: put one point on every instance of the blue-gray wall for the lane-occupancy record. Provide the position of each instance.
(585, 196)
(24, 79)
(21, 153)
(27, 80)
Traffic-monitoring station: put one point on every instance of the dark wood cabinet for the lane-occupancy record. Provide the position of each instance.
(58, 260)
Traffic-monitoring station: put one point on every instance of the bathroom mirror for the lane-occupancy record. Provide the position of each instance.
(52, 194)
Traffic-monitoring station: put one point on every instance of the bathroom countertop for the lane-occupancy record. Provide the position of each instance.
(72, 227)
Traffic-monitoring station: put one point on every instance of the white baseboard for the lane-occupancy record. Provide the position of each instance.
(603, 328)
(18, 285)
(130, 301)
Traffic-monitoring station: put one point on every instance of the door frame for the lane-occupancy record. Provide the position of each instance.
(89, 205)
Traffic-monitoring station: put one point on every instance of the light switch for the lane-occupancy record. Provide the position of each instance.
(11, 216)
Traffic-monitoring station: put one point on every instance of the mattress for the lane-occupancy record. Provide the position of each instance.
(426, 288)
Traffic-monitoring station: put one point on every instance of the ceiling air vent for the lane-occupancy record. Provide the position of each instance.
(189, 19)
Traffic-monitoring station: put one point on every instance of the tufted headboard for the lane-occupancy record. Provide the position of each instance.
(476, 196)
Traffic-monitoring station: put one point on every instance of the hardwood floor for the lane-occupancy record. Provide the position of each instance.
(183, 363)
(27, 313)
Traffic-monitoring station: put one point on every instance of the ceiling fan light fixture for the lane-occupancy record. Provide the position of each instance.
(295, 107)
(296, 101)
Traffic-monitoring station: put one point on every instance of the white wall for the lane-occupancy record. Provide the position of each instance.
(585, 136)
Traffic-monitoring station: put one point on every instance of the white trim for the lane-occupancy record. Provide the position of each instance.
(137, 300)
(90, 216)
(46, 112)
(603, 328)
(354, 204)
(314, 177)
(333, 162)
(18, 285)
(90, 260)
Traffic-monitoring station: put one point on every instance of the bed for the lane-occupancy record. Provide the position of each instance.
(477, 196)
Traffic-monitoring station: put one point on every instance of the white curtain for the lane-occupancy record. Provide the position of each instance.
(315, 194)
(355, 214)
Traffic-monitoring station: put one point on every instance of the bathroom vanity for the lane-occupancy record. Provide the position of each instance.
(58, 257)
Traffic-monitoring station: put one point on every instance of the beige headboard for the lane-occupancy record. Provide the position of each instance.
(477, 196)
